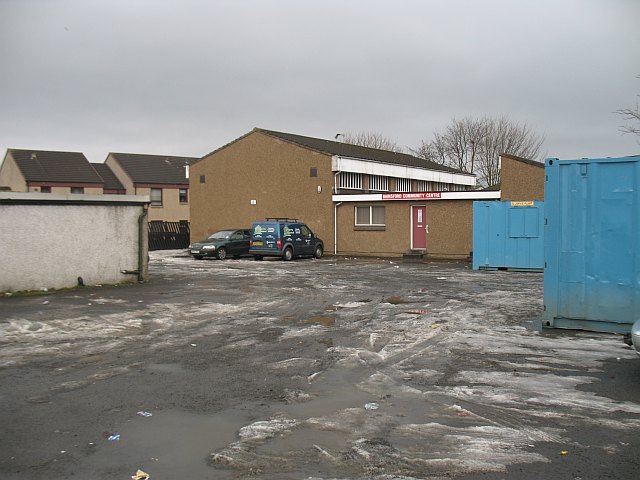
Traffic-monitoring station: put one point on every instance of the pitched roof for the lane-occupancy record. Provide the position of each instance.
(161, 169)
(47, 166)
(111, 182)
(533, 163)
(357, 151)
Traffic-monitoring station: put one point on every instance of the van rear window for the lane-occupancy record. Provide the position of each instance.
(263, 228)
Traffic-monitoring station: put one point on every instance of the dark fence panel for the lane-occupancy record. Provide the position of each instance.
(168, 235)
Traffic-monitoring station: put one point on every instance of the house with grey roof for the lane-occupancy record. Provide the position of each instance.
(49, 172)
(164, 178)
(112, 186)
(359, 200)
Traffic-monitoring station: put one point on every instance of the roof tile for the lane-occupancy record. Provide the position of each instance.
(48, 166)
(357, 151)
(111, 182)
(150, 169)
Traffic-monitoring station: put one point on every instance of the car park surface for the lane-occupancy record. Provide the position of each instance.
(331, 369)
(221, 244)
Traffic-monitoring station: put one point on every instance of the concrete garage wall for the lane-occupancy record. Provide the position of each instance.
(48, 240)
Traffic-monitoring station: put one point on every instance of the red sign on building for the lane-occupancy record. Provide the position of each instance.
(412, 196)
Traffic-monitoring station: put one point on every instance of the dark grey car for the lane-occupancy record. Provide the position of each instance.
(224, 243)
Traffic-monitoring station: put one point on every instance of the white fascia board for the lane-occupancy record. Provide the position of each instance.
(358, 165)
(471, 195)
(377, 197)
(366, 197)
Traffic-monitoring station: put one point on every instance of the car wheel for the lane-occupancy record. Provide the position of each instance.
(287, 255)
(257, 257)
(221, 254)
(318, 251)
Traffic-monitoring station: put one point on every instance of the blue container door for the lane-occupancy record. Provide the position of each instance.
(593, 278)
(525, 242)
(508, 235)
(488, 235)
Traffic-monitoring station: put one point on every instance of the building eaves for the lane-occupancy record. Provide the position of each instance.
(491, 188)
(533, 163)
(359, 152)
(226, 145)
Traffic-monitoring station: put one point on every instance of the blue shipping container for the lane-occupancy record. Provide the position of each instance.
(592, 244)
(508, 235)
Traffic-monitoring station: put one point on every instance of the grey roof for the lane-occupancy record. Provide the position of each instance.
(55, 167)
(357, 151)
(159, 169)
(111, 182)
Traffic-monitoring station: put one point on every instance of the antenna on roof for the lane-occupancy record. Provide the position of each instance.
(338, 135)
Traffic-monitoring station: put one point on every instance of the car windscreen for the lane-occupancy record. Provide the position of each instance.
(221, 235)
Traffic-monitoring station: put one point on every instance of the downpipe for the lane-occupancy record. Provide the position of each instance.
(335, 228)
(141, 238)
(141, 233)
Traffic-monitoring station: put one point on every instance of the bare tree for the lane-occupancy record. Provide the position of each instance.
(474, 146)
(372, 140)
(631, 114)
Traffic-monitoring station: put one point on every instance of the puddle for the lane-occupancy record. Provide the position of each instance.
(351, 304)
(326, 341)
(168, 445)
(395, 300)
(270, 334)
(305, 440)
(173, 368)
(324, 320)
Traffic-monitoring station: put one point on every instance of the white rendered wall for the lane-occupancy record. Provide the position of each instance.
(51, 245)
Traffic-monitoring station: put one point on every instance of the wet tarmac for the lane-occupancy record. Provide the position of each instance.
(312, 369)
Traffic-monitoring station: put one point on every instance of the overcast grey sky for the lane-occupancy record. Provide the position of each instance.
(185, 77)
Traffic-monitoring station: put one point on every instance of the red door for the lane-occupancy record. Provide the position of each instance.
(418, 227)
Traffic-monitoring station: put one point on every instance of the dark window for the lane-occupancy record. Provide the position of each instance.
(45, 189)
(304, 230)
(77, 189)
(184, 195)
(202, 179)
(313, 172)
(370, 216)
(156, 196)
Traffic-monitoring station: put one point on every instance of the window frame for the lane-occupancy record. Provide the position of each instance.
(406, 182)
(370, 225)
(186, 195)
(378, 183)
(78, 190)
(350, 181)
(155, 203)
